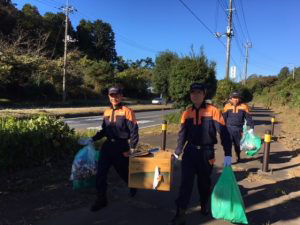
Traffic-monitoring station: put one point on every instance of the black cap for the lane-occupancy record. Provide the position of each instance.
(197, 86)
(235, 94)
(114, 90)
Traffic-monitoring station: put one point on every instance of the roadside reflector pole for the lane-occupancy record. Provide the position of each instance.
(164, 134)
(273, 123)
(267, 144)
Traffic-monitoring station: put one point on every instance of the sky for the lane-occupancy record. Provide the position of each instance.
(145, 28)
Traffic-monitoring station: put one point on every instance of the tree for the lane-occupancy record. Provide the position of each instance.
(134, 81)
(162, 71)
(188, 70)
(54, 24)
(97, 40)
(98, 75)
(284, 72)
(8, 17)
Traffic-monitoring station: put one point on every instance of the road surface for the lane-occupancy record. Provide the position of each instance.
(144, 119)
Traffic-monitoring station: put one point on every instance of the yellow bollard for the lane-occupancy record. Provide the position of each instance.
(164, 133)
(267, 144)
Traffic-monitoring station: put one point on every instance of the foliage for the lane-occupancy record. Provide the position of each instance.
(281, 91)
(225, 87)
(162, 71)
(187, 70)
(33, 142)
(97, 40)
(134, 81)
(173, 118)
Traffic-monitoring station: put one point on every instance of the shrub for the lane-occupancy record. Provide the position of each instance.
(34, 142)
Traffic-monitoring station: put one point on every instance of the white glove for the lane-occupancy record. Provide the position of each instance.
(132, 150)
(251, 131)
(85, 141)
(175, 156)
(227, 161)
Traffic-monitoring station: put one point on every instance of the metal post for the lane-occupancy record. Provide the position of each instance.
(265, 166)
(164, 133)
(273, 123)
(65, 52)
(229, 34)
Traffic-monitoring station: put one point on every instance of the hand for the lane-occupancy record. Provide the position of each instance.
(227, 161)
(126, 154)
(251, 131)
(85, 141)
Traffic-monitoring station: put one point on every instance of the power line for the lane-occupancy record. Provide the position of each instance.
(197, 18)
(244, 18)
(47, 4)
(239, 23)
(126, 40)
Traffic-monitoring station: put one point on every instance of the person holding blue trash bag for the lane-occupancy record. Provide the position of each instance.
(119, 125)
(235, 113)
(196, 139)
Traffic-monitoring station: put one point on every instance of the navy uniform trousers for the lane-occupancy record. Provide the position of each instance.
(111, 155)
(235, 136)
(195, 162)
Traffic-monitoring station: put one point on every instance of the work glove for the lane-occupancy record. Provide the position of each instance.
(227, 161)
(85, 141)
(132, 150)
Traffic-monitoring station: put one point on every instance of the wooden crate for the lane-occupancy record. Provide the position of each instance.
(142, 169)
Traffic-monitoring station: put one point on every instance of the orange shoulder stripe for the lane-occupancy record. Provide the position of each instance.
(216, 114)
(129, 114)
(186, 114)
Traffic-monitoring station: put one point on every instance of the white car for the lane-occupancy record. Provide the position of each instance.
(157, 101)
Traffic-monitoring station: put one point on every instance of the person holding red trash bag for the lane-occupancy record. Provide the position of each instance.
(119, 125)
(196, 139)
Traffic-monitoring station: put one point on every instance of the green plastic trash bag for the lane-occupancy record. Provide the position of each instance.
(84, 168)
(250, 143)
(226, 199)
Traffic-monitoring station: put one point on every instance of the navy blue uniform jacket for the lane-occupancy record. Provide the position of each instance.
(236, 115)
(119, 124)
(199, 127)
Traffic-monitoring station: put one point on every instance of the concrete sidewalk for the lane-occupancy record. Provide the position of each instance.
(269, 198)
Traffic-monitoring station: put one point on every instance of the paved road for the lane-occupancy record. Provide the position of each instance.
(144, 119)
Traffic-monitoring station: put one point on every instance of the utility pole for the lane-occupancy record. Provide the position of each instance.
(229, 35)
(247, 46)
(67, 9)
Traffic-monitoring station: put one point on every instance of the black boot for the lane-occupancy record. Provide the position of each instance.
(179, 218)
(100, 203)
(132, 192)
(204, 209)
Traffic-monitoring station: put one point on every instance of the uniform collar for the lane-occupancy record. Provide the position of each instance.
(119, 106)
(203, 105)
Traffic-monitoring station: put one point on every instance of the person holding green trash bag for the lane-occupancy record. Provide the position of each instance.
(235, 113)
(119, 125)
(196, 139)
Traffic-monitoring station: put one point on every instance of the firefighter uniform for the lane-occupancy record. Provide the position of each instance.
(234, 117)
(119, 125)
(198, 135)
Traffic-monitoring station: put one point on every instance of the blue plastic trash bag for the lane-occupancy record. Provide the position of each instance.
(250, 142)
(226, 200)
(84, 168)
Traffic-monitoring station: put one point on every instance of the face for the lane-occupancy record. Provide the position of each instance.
(197, 97)
(115, 99)
(234, 101)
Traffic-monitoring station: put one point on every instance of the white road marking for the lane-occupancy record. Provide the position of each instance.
(144, 121)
